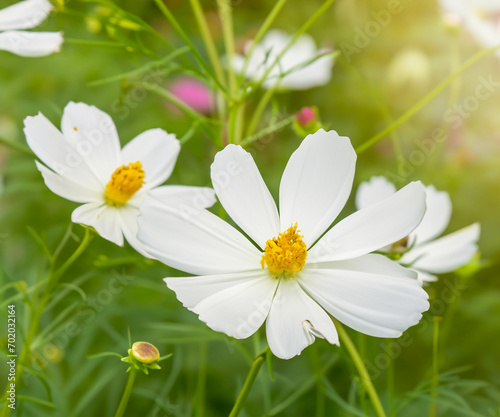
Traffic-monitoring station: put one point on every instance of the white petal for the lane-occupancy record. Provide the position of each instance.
(373, 227)
(244, 195)
(436, 218)
(367, 294)
(197, 197)
(57, 153)
(424, 277)
(68, 189)
(128, 222)
(373, 191)
(236, 304)
(193, 240)
(303, 77)
(93, 134)
(157, 151)
(445, 254)
(316, 183)
(103, 218)
(24, 15)
(295, 320)
(30, 44)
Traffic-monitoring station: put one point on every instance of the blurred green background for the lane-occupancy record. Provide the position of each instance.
(111, 290)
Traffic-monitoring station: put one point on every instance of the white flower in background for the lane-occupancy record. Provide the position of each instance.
(287, 272)
(421, 250)
(26, 15)
(84, 163)
(480, 17)
(300, 53)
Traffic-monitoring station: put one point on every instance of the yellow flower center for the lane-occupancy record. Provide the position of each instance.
(285, 254)
(124, 183)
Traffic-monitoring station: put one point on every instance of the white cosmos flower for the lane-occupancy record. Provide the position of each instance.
(427, 255)
(300, 53)
(480, 17)
(27, 14)
(84, 163)
(288, 273)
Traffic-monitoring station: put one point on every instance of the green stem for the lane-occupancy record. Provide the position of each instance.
(226, 17)
(174, 100)
(267, 131)
(126, 394)
(304, 28)
(435, 366)
(208, 40)
(390, 343)
(44, 297)
(259, 110)
(234, 107)
(247, 386)
(76, 254)
(260, 34)
(360, 366)
(170, 17)
(17, 146)
(202, 381)
(424, 101)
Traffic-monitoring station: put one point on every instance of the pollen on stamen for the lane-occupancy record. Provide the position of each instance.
(285, 254)
(124, 183)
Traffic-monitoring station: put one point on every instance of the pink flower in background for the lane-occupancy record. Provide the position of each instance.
(194, 93)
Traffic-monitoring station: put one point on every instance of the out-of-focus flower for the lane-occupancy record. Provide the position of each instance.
(27, 14)
(194, 93)
(84, 163)
(409, 70)
(296, 69)
(288, 272)
(420, 249)
(480, 17)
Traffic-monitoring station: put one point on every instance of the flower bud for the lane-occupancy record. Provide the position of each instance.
(143, 356)
(306, 116)
(145, 352)
(306, 121)
(453, 22)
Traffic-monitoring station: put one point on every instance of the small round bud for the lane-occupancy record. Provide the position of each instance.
(306, 121)
(453, 22)
(306, 115)
(145, 352)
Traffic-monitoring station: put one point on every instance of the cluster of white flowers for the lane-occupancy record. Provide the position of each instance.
(27, 14)
(290, 269)
(288, 273)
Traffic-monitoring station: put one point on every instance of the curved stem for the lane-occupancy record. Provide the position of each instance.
(360, 366)
(208, 40)
(435, 366)
(76, 254)
(304, 28)
(260, 34)
(252, 125)
(247, 386)
(17, 146)
(44, 296)
(126, 394)
(423, 102)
